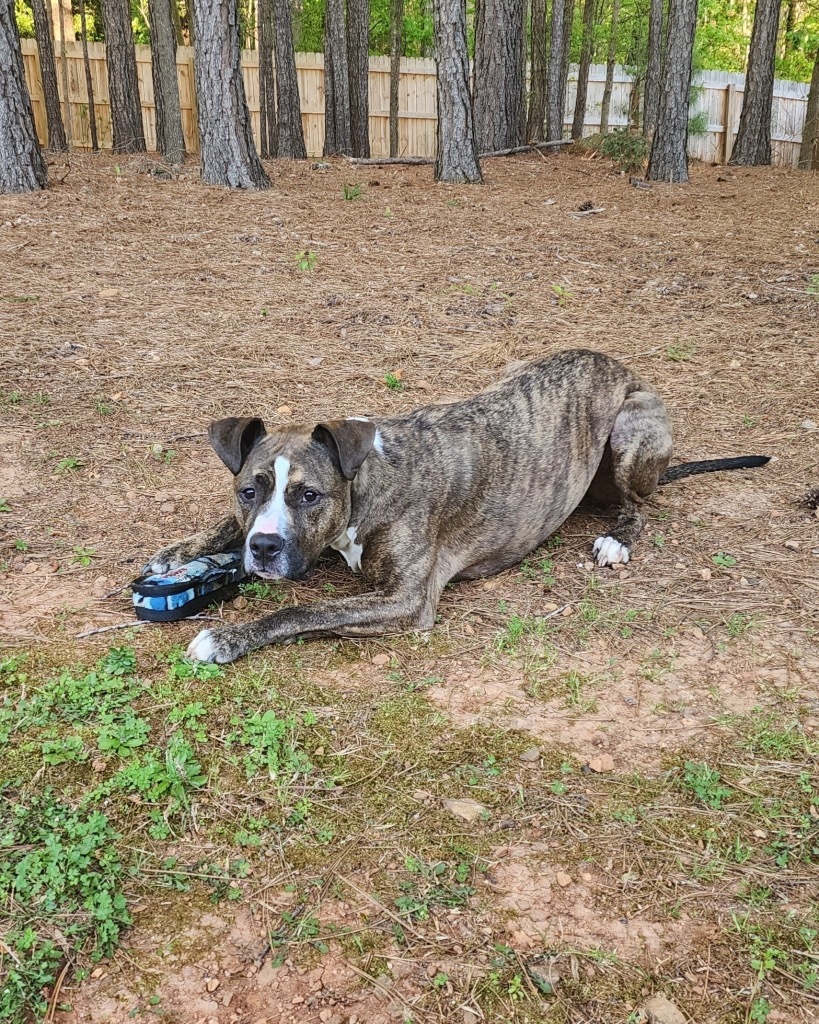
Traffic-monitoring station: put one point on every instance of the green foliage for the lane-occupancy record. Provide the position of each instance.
(62, 867)
(351, 192)
(433, 884)
(706, 784)
(626, 149)
(270, 743)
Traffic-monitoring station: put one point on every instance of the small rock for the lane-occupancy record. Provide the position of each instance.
(284, 410)
(239, 603)
(212, 984)
(97, 972)
(101, 586)
(108, 293)
(532, 754)
(760, 833)
(316, 361)
(792, 545)
(326, 1014)
(99, 764)
(662, 1011)
(468, 810)
(563, 879)
(604, 763)
(381, 660)
(697, 632)
(545, 978)
(808, 425)
(470, 1016)
(30, 567)
(705, 574)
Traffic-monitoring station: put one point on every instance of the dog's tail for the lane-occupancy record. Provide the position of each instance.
(712, 466)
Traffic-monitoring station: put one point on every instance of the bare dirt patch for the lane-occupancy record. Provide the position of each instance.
(135, 310)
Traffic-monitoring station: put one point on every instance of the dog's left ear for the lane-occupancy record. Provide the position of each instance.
(234, 438)
(350, 441)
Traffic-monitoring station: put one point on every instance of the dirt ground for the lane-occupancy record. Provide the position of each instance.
(135, 308)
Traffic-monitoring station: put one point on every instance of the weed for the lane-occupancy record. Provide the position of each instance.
(541, 571)
(813, 285)
(259, 591)
(738, 625)
(393, 381)
(432, 884)
(723, 561)
(11, 397)
(680, 351)
(70, 464)
(83, 556)
(62, 866)
(561, 294)
(103, 408)
(706, 784)
(162, 454)
(351, 192)
(270, 743)
(575, 685)
(306, 261)
(4, 505)
(21, 545)
(626, 149)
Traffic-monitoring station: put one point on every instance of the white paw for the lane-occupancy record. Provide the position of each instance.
(608, 551)
(202, 647)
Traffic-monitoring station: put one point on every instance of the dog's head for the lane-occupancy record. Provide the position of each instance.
(292, 488)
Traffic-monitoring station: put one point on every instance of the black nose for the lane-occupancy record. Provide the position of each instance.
(265, 545)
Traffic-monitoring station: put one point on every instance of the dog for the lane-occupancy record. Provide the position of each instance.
(453, 491)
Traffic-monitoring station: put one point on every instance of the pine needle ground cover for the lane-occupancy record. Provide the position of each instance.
(522, 816)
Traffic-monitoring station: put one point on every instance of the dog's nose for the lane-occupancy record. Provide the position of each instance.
(265, 545)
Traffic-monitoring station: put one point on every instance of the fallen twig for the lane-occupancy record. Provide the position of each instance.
(107, 629)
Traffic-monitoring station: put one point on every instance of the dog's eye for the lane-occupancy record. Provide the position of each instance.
(248, 493)
(310, 497)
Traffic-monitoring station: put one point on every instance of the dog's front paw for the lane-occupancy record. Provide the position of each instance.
(167, 559)
(608, 551)
(217, 645)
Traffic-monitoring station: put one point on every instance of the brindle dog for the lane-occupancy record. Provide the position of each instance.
(446, 492)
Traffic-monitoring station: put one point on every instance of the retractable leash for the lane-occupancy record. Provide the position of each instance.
(168, 596)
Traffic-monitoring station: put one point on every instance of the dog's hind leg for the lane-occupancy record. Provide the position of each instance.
(637, 453)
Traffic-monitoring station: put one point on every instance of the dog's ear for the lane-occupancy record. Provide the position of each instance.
(234, 438)
(349, 441)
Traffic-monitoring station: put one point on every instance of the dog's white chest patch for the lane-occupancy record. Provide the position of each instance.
(349, 548)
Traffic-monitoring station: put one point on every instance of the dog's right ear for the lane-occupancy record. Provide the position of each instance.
(234, 438)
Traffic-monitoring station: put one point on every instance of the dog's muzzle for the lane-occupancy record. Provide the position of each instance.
(268, 555)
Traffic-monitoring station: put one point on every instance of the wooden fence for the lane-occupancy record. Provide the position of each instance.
(718, 94)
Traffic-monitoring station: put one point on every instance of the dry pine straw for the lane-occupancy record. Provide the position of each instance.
(142, 308)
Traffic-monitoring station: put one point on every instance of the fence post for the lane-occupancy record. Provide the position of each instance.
(728, 122)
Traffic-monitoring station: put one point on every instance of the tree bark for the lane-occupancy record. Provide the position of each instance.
(669, 150)
(554, 91)
(583, 70)
(291, 134)
(358, 64)
(653, 68)
(338, 133)
(170, 140)
(268, 125)
(89, 81)
(123, 86)
(396, 39)
(753, 143)
(499, 73)
(809, 150)
(565, 53)
(48, 75)
(457, 156)
(22, 168)
(605, 106)
(229, 154)
(538, 65)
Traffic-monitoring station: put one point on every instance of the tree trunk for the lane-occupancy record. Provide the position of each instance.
(809, 150)
(170, 140)
(358, 64)
(669, 150)
(123, 86)
(48, 74)
(554, 110)
(537, 75)
(89, 82)
(338, 133)
(177, 24)
(229, 154)
(499, 74)
(753, 144)
(268, 126)
(605, 106)
(790, 25)
(457, 156)
(565, 53)
(396, 38)
(291, 134)
(583, 70)
(22, 168)
(653, 69)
